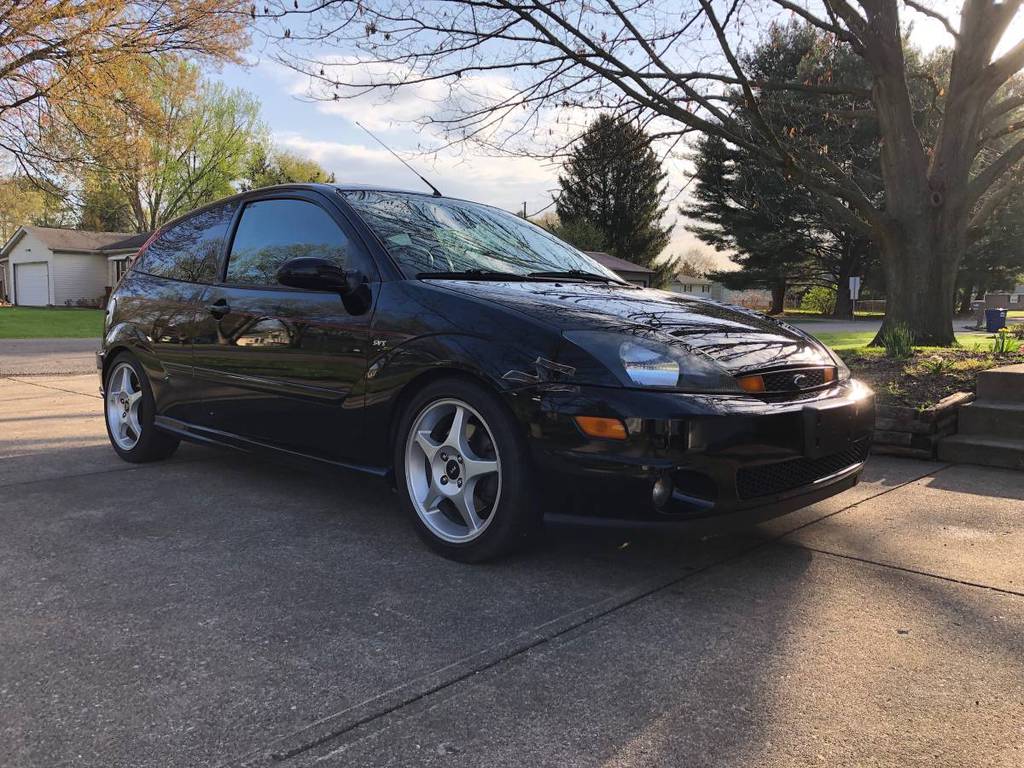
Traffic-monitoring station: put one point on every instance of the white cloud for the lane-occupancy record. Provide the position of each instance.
(504, 182)
(398, 102)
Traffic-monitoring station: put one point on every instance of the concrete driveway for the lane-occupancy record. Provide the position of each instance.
(218, 611)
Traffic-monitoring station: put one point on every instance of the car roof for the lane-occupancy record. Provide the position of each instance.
(320, 187)
(377, 188)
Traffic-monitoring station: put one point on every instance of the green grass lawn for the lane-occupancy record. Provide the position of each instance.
(810, 314)
(857, 339)
(50, 323)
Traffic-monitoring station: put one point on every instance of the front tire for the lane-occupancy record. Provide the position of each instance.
(463, 470)
(129, 408)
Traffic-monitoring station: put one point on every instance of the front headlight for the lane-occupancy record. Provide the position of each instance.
(842, 371)
(648, 367)
(638, 361)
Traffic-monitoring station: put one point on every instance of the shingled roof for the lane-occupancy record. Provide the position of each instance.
(130, 243)
(615, 264)
(80, 241)
(75, 239)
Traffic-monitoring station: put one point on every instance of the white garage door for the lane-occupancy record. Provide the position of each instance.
(32, 284)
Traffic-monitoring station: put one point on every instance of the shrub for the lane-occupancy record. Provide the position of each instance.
(819, 299)
(898, 341)
(936, 365)
(1004, 342)
(1017, 330)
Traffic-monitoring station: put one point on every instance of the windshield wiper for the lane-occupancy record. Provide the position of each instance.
(576, 274)
(471, 274)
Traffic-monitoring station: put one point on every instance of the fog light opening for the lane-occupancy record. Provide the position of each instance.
(662, 491)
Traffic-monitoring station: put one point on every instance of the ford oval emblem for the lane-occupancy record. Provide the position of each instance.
(800, 380)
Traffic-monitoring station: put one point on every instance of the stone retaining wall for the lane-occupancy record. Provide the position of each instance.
(904, 431)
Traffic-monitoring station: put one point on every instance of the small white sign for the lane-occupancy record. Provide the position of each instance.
(855, 288)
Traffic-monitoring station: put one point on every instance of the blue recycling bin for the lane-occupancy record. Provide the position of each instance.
(995, 319)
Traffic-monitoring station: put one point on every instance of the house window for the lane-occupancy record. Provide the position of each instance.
(120, 267)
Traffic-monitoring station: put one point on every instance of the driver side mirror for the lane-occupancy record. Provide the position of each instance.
(315, 274)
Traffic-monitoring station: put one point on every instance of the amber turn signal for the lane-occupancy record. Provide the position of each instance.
(751, 383)
(829, 375)
(597, 426)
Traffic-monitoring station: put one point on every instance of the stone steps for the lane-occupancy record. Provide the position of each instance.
(996, 418)
(990, 430)
(987, 451)
(1005, 384)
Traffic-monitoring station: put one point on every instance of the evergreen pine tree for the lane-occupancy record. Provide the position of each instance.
(613, 183)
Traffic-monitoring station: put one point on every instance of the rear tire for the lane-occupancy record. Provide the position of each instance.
(129, 409)
(463, 471)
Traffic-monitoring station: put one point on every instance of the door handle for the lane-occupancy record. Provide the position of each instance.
(219, 308)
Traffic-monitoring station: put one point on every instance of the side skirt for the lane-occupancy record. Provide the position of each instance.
(206, 436)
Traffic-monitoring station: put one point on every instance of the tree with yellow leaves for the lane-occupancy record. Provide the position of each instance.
(186, 142)
(61, 59)
(20, 203)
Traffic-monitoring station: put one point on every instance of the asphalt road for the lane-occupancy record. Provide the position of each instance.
(214, 610)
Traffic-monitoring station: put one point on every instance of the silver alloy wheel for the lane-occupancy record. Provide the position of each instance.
(124, 395)
(452, 470)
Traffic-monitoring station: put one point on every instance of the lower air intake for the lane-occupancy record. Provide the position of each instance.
(770, 479)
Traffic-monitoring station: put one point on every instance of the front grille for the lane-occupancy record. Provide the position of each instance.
(769, 479)
(784, 381)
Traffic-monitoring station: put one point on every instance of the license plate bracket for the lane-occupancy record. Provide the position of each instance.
(828, 428)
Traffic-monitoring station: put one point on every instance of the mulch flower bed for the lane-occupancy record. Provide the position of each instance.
(927, 377)
(917, 398)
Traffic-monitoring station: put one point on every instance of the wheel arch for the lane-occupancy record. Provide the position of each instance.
(125, 337)
(417, 384)
(109, 356)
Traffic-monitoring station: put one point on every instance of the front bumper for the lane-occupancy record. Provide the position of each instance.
(718, 458)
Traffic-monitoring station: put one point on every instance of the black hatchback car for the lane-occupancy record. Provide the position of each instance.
(492, 372)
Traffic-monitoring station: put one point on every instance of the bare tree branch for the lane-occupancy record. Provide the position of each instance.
(995, 170)
(943, 20)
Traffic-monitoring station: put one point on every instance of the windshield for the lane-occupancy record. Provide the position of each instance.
(435, 235)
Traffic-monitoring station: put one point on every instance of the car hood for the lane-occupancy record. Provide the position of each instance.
(736, 338)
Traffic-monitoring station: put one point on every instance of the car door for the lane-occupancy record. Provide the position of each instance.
(280, 365)
(161, 296)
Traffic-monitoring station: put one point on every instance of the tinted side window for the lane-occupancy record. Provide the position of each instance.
(190, 249)
(272, 231)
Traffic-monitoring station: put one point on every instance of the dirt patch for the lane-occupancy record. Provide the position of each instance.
(925, 378)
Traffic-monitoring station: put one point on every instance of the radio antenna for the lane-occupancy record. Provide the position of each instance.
(437, 192)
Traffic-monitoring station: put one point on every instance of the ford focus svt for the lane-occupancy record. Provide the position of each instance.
(494, 374)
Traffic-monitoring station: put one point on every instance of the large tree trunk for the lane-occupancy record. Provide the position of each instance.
(844, 304)
(778, 298)
(920, 264)
(847, 266)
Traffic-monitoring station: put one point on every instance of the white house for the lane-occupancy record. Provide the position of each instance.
(41, 266)
(696, 286)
